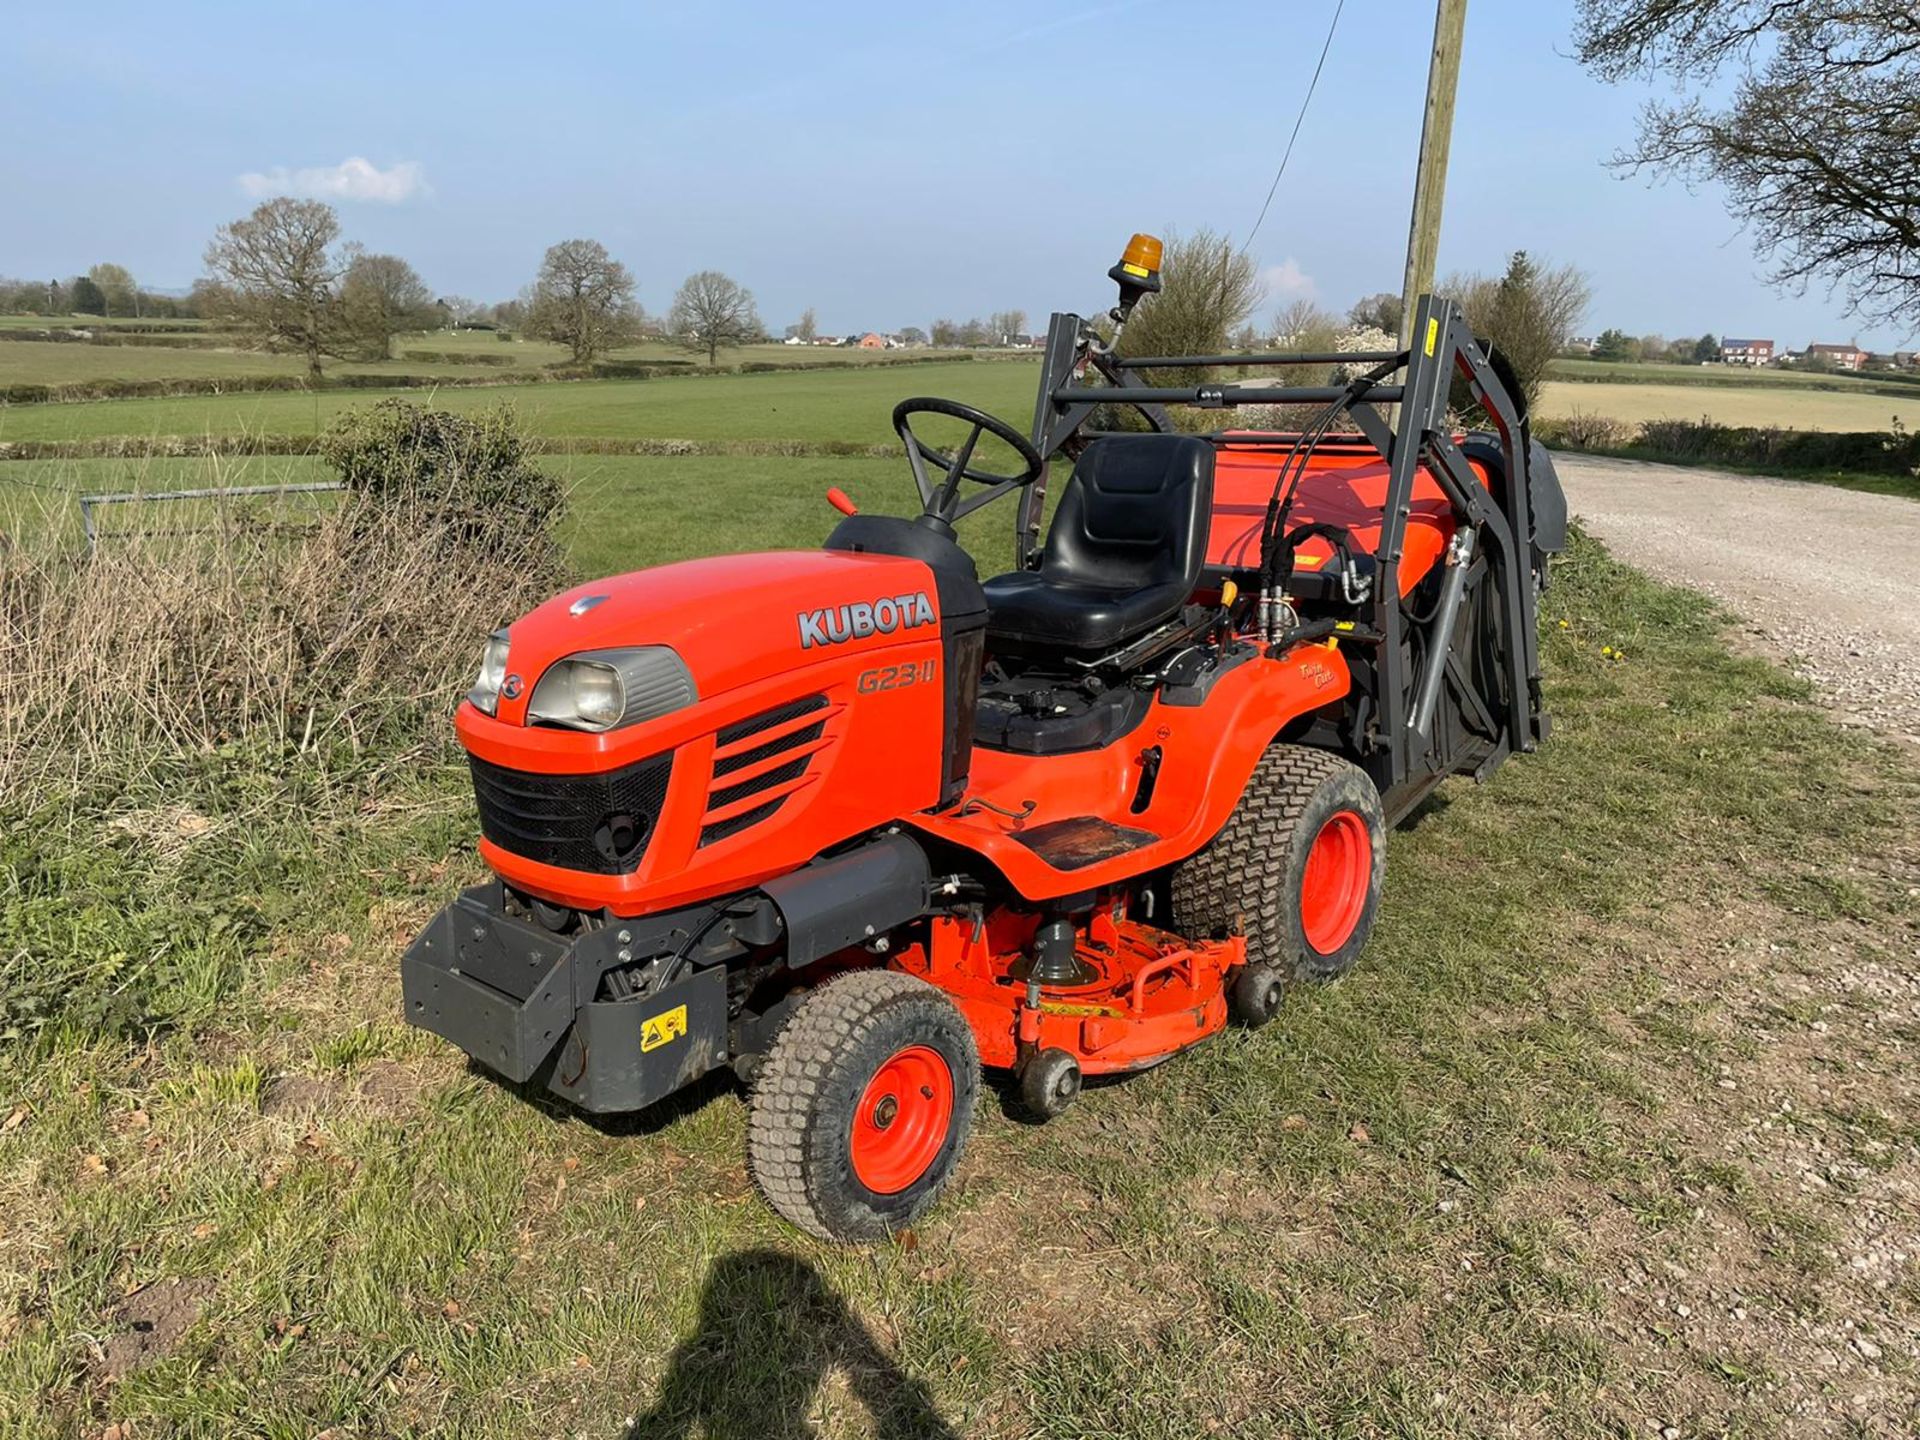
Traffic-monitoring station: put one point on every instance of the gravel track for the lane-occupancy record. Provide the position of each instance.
(1827, 579)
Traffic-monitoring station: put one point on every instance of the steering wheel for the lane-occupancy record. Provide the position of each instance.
(940, 499)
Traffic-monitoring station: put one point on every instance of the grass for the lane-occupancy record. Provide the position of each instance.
(1416, 1204)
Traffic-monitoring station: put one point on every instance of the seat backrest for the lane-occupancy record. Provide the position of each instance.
(1134, 514)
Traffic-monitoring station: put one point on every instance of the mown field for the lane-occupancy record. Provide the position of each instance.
(1613, 1130)
(1785, 406)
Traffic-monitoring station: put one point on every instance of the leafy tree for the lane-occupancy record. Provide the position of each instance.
(116, 283)
(86, 298)
(583, 299)
(1706, 349)
(1817, 140)
(1382, 311)
(380, 296)
(912, 335)
(278, 274)
(710, 310)
(1614, 345)
(1528, 314)
(946, 334)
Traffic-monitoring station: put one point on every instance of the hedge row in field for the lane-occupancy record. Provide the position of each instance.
(144, 447)
(85, 390)
(161, 339)
(1871, 452)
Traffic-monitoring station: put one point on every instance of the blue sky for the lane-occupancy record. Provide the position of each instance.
(886, 163)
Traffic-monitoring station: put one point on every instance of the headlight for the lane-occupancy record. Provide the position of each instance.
(485, 694)
(606, 689)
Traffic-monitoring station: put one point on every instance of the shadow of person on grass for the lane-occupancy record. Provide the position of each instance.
(771, 1330)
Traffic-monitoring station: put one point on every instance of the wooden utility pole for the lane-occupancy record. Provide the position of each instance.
(1436, 135)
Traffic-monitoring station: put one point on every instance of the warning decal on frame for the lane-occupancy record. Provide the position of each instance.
(663, 1029)
(1433, 335)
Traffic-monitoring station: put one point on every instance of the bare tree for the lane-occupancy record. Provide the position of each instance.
(280, 273)
(1817, 143)
(1303, 325)
(1208, 290)
(380, 295)
(582, 298)
(1007, 325)
(808, 327)
(710, 311)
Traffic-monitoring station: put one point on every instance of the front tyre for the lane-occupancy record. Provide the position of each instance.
(863, 1105)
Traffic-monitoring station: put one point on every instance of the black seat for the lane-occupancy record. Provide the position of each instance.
(1124, 552)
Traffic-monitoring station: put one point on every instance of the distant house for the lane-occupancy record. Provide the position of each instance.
(826, 339)
(871, 341)
(1906, 359)
(1840, 357)
(1746, 352)
(793, 340)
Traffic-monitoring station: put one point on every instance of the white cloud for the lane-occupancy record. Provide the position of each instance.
(1287, 281)
(355, 178)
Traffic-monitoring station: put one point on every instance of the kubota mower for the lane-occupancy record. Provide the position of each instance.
(856, 824)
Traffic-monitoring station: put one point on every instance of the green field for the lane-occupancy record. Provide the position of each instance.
(829, 405)
(448, 353)
(624, 511)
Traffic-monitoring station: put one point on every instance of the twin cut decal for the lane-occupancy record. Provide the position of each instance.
(864, 618)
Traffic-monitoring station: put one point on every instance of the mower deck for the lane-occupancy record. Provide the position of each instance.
(1146, 994)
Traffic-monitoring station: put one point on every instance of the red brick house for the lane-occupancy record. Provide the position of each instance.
(1840, 357)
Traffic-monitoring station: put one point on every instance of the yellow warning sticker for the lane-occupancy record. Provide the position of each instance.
(1433, 335)
(1307, 561)
(664, 1028)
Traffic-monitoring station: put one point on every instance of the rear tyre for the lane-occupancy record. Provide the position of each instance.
(863, 1105)
(1297, 868)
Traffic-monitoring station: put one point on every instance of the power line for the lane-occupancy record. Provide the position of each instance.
(1298, 120)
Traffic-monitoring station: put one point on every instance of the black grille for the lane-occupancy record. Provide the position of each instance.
(767, 719)
(744, 730)
(721, 829)
(596, 823)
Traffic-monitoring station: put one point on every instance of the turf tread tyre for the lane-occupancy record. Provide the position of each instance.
(1247, 876)
(807, 1087)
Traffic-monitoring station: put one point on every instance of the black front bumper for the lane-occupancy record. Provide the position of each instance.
(524, 1003)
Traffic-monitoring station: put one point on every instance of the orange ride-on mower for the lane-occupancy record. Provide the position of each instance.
(856, 824)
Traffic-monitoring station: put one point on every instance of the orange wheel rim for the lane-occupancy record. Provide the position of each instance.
(1333, 892)
(902, 1120)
